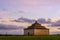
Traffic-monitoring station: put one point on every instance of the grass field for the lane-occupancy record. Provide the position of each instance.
(51, 37)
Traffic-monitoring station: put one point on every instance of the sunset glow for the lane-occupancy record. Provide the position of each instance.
(46, 11)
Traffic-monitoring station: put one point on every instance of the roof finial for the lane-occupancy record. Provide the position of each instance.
(36, 20)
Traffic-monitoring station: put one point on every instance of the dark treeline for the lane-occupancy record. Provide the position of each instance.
(9, 35)
(24, 35)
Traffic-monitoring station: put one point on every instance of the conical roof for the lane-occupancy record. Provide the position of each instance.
(36, 25)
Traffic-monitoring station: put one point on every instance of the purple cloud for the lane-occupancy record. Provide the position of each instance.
(43, 21)
(57, 23)
(24, 20)
(9, 27)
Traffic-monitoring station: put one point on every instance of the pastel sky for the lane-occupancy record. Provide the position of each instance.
(11, 9)
(30, 8)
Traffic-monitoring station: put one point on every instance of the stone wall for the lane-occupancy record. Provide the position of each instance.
(29, 32)
(41, 32)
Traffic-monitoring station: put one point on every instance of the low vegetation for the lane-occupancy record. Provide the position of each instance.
(50, 37)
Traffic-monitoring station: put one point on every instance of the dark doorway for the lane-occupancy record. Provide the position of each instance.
(28, 33)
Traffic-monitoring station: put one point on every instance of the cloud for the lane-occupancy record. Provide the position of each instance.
(56, 32)
(12, 32)
(44, 21)
(24, 20)
(57, 23)
(24, 6)
(9, 21)
(9, 27)
(21, 12)
(16, 27)
(53, 22)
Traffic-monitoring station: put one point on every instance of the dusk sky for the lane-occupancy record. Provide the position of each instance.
(22, 11)
(30, 8)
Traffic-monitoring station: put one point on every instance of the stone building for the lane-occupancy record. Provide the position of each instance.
(36, 29)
